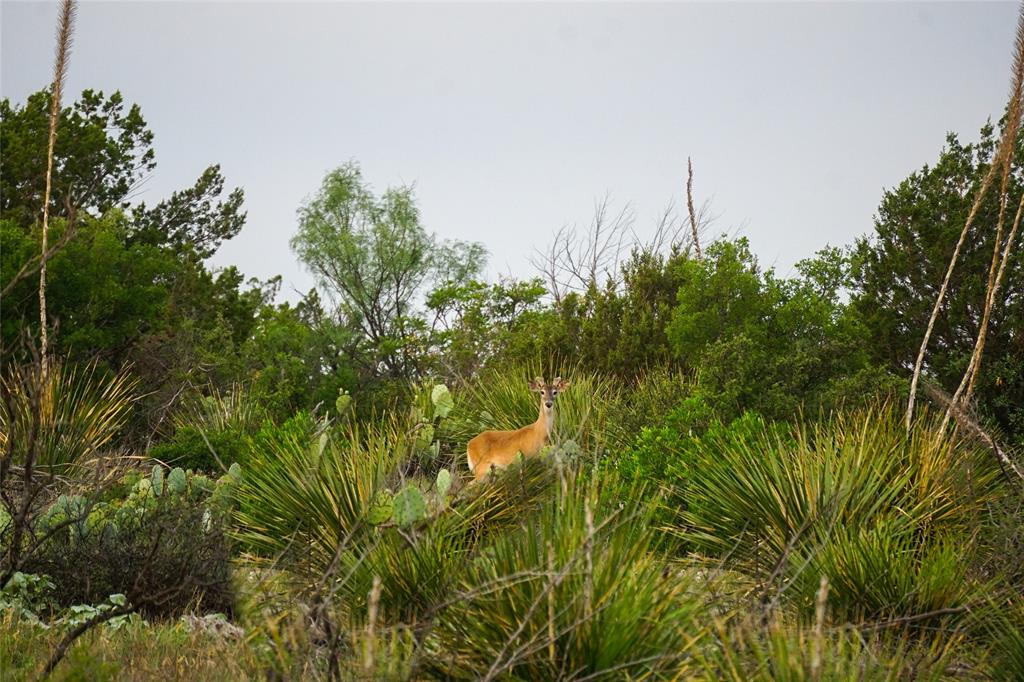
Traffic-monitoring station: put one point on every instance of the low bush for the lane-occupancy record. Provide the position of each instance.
(164, 545)
(190, 448)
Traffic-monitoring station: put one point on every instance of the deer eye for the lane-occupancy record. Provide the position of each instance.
(554, 393)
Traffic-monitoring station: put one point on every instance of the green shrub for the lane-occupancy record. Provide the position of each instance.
(190, 448)
(165, 549)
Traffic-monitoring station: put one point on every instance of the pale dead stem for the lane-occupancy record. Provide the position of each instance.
(1002, 161)
(64, 31)
(690, 209)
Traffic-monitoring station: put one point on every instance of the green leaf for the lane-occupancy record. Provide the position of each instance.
(444, 483)
(157, 480)
(442, 400)
(409, 506)
(381, 508)
(424, 436)
(343, 402)
(176, 481)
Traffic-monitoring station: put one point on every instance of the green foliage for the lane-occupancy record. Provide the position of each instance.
(409, 506)
(669, 442)
(28, 596)
(553, 596)
(476, 325)
(767, 344)
(191, 448)
(442, 400)
(102, 152)
(900, 266)
(163, 550)
(382, 508)
(374, 256)
(443, 483)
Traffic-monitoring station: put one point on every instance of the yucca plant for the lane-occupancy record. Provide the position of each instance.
(884, 572)
(308, 498)
(577, 592)
(761, 494)
(80, 411)
(883, 514)
(231, 410)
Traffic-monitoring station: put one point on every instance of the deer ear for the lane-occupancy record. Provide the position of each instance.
(560, 383)
(537, 384)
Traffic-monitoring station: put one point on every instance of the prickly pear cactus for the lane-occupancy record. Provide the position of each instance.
(157, 480)
(235, 472)
(443, 483)
(381, 509)
(409, 506)
(424, 436)
(442, 400)
(176, 482)
(343, 402)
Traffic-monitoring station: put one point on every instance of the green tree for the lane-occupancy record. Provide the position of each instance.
(102, 153)
(375, 259)
(474, 324)
(901, 265)
(759, 342)
(297, 357)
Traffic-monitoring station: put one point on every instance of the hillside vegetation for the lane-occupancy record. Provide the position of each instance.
(199, 481)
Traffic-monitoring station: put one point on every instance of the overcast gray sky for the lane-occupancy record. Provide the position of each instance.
(511, 119)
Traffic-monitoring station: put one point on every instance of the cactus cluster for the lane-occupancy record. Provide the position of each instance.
(130, 498)
(409, 506)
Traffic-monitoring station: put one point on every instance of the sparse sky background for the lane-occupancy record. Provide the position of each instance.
(512, 119)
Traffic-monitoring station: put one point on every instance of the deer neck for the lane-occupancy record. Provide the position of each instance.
(543, 423)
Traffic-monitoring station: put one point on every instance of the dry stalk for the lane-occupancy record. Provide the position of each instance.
(588, 578)
(551, 607)
(819, 628)
(369, 660)
(963, 393)
(1005, 150)
(689, 206)
(999, 255)
(63, 51)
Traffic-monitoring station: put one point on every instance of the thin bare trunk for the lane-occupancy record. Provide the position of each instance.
(1003, 158)
(1000, 252)
(689, 206)
(64, 29)
(966, 388)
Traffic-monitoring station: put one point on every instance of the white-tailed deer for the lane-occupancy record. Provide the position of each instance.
(498, 448)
